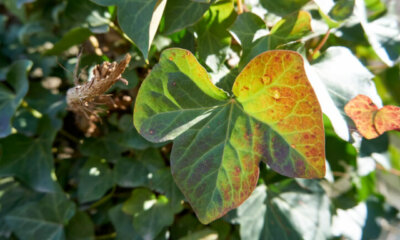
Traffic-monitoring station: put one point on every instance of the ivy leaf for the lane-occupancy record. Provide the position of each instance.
(150, 213)
(138, 171)
(95, 179)
(139, 19)
(383, 34)
(370, 121)
(285, 211)
(80, 227)
(33, 165)
(283, 7)
(73, 37)
(335, 12)
(247, 28)
(261, 122)
(12, 92)
(44, 219)
(337, 85)
(122, 223)
(290, 28)
(180, 14)
(213, 38)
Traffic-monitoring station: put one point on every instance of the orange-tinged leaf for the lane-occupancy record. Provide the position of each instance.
(274, 89)
(370, 121)
(361, 110)
(387, 119)
(219, 140)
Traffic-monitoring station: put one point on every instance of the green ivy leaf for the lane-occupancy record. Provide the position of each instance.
(122, 223)
(12, 92)
(290, 28)
(283, 7)
(246, 28)
(139, 171)
(80, 227)
(44, 219)
(95, 179)
(73, 37)
(335, 12)
(213, 38)
(180, 14)
(285, 211)
(150, 213)
(33, 165)
(178, 101)
(139, 19)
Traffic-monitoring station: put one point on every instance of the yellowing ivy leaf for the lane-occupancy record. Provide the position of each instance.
(219, 140)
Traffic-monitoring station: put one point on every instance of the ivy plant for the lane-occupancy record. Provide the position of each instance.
(199, 119)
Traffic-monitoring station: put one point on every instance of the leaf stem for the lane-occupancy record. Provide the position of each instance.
(114, 27)
(239, 7)
(33, 111)
(103, 200)
(320, 45)
(69, 136)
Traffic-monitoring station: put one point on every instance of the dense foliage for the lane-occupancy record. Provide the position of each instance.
(211, 130)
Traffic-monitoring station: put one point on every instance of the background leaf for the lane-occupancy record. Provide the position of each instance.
(32, 166)
(283, 7)
(12, 94)
(180, 14)
(44, 219)
(336, 86)
(95, 179)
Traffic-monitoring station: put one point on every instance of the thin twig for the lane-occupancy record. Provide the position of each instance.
(392, 170)
(239, 7)
(320, 45)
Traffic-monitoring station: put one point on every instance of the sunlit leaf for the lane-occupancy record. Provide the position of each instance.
(183, 13)
(383, 33)
(261, 123)
(285, 211)
(335, 12)
(290, 28)
(213, 38)
(283, 7)
(247, 27)
(370, 121)
(337, 77)
(139, 19)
